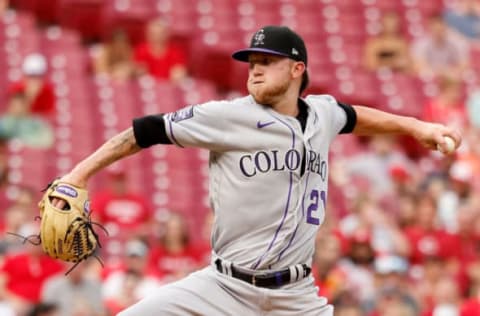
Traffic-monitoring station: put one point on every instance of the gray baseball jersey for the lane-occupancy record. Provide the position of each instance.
(267, 212)
(268, 178)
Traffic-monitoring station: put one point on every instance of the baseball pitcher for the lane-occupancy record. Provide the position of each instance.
(268, 181)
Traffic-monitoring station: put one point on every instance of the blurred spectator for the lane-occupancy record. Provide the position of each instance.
(384, 234)
(453, 197)
(464, 18)
(468, 159)
(392, 305)
(43, 309)
(6, 308)
(406, 210)
(37, 90)
(20, 201)
(390, 48)
(158, 56)
(132, 280)
(467, 248)
(3, 6)
(473, 108)
(349, 310)
(425, 278)
(75, 294)
(471, 306)
(16, 221)
(173, 255)
(392, 285)
(447, 106)
(114, 58)
(357, 267)
(328, 279)
(426, 238)
(123, 212)
(393, 302)
(438, 53)
(446, 299)
(18, 123)
(126, 293)
(24, 273)
(374, 164)
(4, 176)
(402, 179)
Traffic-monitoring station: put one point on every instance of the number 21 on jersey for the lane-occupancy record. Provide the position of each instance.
(312, 214)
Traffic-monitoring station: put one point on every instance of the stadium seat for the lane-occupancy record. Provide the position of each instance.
(128, 16)
(84, 16)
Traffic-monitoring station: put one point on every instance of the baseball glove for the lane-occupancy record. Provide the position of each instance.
(67, 233)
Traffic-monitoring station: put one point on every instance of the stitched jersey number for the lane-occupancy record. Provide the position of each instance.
(313, 218)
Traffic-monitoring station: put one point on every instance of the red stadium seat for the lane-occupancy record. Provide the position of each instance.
(84, 16)
(130, 17)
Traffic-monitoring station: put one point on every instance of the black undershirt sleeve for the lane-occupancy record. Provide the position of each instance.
(150, 130)
(302, 114)
(351, 118)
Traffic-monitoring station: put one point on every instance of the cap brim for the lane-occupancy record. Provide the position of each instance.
(242, 55)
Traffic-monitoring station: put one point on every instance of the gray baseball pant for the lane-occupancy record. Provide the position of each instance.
(210, 293)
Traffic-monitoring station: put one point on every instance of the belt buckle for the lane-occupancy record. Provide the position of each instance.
(254, 280)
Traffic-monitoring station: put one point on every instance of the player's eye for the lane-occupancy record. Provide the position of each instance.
(263, 61)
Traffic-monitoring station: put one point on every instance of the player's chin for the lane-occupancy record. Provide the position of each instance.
(258, 94)
(261, 99)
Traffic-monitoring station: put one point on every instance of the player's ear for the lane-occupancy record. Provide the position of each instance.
(298, 68)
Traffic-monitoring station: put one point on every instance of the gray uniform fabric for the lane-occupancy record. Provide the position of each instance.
(267, 211)
(210, 293)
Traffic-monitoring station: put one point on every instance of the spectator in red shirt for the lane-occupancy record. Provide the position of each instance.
(426, 239)
(471, 306)
(466, 247)
(158, 56)
(123, 212)
(23, 274)
(34, 85)
(174, 256)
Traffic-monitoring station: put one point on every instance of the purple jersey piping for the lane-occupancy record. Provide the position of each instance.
(303, 215)
(172, 136)
(285, 212)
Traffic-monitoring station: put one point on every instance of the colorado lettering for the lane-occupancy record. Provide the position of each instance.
(317, 164)
(265, 161)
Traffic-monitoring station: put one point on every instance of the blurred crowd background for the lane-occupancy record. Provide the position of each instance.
(402, 230)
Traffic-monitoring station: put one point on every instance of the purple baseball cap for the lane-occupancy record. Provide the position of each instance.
(275, 40)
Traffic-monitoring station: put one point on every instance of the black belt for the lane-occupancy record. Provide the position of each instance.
(269, 280)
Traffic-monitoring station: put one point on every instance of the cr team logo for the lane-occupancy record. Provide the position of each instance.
(275, 160)
(258, 38)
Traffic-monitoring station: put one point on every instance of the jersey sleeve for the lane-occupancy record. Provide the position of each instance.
(193, 126)
(351, 119)
(338, 117)
(201, 125)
